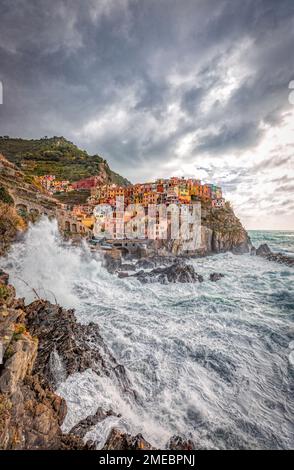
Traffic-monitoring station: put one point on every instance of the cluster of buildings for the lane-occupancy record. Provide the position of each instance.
(179, 192)
(162, 191)
(52, 185)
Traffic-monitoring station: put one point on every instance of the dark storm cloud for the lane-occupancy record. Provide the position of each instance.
(65, 64)
(230, 138)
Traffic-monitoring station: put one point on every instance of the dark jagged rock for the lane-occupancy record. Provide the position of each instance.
(4, 277)
(72, 442)
(253, 250)
(180, 443)
(123, 274)
(118, 440)
(84, 425)
(263, 250)
(78, 347)
(215, 276)
(177, 272)
(112, 264)
(266, 253)
(145, 263)
(30, 413)
(127, 267)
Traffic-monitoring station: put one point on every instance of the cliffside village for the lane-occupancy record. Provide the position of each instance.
(79, 219)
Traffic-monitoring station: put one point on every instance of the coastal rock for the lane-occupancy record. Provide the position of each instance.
(3, 277)
(253, 251)
(215, 276)
(78, 346)
(111, 264)
(31, 414)
(180, 443)
(177, 272)
(263, 250)
(123, 274)
(84, 425)
(127, 267)
(266, 253)
(118, 440)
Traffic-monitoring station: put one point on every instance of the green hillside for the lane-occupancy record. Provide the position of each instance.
(57, 156)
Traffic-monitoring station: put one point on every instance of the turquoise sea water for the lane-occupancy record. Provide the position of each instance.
(212, 362)
(278, 241)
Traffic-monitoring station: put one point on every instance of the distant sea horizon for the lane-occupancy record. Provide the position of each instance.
(278, 240)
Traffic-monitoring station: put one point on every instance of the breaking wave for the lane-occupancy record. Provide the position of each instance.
(209, 361)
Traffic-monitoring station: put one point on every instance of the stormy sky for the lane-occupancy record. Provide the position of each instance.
(161, 87)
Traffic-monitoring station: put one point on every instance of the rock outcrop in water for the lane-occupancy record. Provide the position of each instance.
(215, 276)
(264, 251)
(83, 426)
(178, 272)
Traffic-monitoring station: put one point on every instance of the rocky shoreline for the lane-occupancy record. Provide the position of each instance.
(42, 344)
(164, 270)
(265, 252)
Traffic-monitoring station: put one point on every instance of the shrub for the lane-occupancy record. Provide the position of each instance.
(5, 196)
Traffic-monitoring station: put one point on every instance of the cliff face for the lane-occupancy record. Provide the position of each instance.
(221, 231)
(30, 412)
(41, 344)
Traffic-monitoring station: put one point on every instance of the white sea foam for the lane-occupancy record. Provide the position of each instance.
(210, 361)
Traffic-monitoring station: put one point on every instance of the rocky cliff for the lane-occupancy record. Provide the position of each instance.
(221, 231)
(41, 344)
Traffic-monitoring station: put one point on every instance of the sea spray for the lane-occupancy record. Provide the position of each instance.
(209, 361)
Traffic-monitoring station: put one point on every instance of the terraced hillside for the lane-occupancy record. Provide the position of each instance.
(56, 156)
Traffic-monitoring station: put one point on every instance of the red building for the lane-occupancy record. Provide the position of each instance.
(86, 183)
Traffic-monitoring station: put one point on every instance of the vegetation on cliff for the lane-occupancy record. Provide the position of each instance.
(11, 224)
(56, 156)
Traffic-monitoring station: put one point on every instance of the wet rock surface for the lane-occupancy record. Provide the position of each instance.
(216, 276)
(84, 425)
(264, 251)
(180, 443)
(176, 272)
(118, 440)
(31, 413)
(78, 347)
(160, 269)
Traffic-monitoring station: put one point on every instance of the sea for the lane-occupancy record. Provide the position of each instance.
(212, 362)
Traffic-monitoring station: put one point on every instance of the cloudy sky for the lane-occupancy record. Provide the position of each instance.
(161, 87)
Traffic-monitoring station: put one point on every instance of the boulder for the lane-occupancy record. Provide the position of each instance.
(180, 443)
(123, 274)
(215, 276)
(263, 250)
(84, 425)
(176, 272)
(118, 440)
(4, 277)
